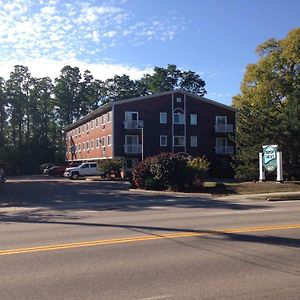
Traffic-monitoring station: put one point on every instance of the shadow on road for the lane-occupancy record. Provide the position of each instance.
(60, 195)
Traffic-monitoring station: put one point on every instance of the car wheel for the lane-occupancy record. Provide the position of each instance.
(75, 175)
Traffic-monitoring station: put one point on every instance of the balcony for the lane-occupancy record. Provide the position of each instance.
(132, 149)
(224, 150)
(224, 128)
(133, 124)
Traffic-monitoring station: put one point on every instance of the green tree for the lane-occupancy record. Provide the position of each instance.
(119, 88)
(170, 78)
(67, 95)
(267, 104)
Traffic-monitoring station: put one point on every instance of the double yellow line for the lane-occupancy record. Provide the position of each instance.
(146, 238)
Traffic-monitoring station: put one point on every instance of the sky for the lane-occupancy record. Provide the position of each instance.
(214, 38)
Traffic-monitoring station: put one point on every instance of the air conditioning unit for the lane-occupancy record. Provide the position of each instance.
(103, 126)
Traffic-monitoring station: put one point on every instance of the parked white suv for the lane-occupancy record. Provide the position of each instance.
(85, 169)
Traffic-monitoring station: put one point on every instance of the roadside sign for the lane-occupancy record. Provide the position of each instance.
(270, 157)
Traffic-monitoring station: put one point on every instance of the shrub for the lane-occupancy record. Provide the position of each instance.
(140, 173)
(169, 171)
(110, 166)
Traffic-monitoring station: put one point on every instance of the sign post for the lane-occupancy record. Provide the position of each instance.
(270, 160)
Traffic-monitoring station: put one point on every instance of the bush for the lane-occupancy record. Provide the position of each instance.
(198, 168)
(110, 166)
(169, 171)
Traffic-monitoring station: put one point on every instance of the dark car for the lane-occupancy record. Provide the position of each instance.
(60, 170)
(2, 176)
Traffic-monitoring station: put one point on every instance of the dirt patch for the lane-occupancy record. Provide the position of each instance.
(251, 187)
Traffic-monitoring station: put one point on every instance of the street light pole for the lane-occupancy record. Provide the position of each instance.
(142, 133)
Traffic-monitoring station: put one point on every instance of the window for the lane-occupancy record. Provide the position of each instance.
(163, 118)
(87, 127)
(109, 140)
(193, 119)
(87, 145)
(178, 141)
(103, 141)
(83, 146)
(102, 119)
(131, 139)
(131, 116)
(97, 143)
(79, 128)
(79, 150)
(178, 118)
(93, 165)
(85, 166)
(194, 141)
(221, 120)
(97, 122)
(82, 129)
(108, 117)
(75, 132)
(163, 140)
(92, 144)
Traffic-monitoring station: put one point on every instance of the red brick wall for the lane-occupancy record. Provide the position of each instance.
(92, 134)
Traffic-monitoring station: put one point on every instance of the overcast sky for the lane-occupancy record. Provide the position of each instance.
(215, 38)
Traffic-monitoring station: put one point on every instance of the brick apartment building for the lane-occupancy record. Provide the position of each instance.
(136, 128)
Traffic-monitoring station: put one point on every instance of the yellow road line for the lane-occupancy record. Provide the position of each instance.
(147, 238)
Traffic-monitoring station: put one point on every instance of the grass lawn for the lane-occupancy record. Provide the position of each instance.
(250, 187)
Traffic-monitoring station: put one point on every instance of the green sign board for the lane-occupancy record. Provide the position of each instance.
(270, 157)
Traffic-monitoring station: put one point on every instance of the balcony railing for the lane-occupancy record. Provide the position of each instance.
(133, 124)
(224, 149)
(224, 128)
(132, 149)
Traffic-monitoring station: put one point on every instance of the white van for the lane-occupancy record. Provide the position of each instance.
(85, 169)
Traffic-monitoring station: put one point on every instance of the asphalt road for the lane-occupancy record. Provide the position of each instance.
(61, 239)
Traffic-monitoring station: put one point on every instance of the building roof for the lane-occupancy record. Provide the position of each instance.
(109, 105)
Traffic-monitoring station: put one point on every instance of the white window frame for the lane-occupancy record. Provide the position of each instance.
(87, 145)
(103, 141)
(194, 119)
(97, 122)
(179, 136)
(130, 113)
(103, 119)
(98, 143)
(109, 140)
(194, 141)
(92, 144)
(163, 118)
(219, 118)
(109, 117)
(181, 118)
(161, 137)
(83, 146)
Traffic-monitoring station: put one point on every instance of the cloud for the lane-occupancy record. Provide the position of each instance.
(57, 28)
(42, 67)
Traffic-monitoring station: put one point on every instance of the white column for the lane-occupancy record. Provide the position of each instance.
(279, 167)
(261, 169)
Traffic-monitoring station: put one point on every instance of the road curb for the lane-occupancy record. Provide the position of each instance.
(282, 199)
(178, 194)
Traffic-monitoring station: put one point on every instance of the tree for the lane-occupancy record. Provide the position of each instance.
(67, 95)
(170, 78)
(268, 104)
(120, 88)
(17, 93)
